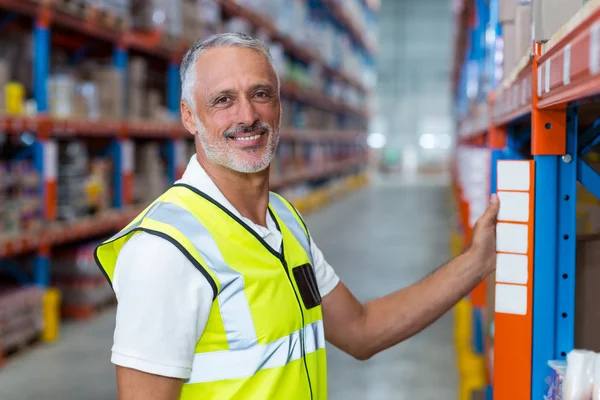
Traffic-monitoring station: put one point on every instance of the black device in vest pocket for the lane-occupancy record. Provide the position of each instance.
(307, 284)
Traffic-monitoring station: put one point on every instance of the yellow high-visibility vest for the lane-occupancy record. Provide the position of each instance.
(264, 338)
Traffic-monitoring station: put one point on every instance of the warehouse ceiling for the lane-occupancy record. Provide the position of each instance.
(414, 68)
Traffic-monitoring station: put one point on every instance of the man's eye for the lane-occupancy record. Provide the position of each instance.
(223, 100)
(261, 94)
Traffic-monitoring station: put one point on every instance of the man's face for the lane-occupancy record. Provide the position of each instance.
(237, 108)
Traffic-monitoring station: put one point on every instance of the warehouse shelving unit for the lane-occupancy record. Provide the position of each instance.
(545, 116)
(122, 133)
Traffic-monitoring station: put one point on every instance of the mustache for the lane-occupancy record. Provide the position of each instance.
(257, 126)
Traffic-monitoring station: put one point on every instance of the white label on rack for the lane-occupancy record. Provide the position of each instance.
(513, 175)
(539, 81)
(50, 160)
(179, 153)
(547, 76)
(127, 153)
(512, 238)
(567, 65)
(524, 92)
(594, 48)
(511, 299)
(514, 206)
(512, 268)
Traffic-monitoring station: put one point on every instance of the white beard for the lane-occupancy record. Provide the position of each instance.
(219, 152)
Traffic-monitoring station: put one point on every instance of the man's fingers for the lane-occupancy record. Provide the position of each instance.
(491, 213)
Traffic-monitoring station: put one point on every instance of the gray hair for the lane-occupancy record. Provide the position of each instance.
(188, 77)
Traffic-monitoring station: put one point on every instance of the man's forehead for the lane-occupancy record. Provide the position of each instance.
(220, 65)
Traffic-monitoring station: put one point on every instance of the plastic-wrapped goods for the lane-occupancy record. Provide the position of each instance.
(579, 379)
(61, 88)
(20, 315)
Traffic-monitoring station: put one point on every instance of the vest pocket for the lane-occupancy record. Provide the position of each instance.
(307, 285)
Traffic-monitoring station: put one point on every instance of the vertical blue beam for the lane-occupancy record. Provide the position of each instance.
(117, 157)
(173, 99)
(173, 89)
(41, 64)
(120, 61)
(567, 206)
(544, 271)
(41, 68)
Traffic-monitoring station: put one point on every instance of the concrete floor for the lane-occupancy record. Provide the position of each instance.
(378, 240)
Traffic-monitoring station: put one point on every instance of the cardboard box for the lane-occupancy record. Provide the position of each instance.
(509, 61)
(550, 15)
(507, 10)
(137, 103)
(138, 71)
(587, 295)
(523, 30)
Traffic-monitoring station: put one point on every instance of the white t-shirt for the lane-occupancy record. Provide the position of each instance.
(164, 302)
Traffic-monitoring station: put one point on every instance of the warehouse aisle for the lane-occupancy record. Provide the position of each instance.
(378, 240)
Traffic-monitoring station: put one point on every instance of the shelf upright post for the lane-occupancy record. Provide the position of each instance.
(175, 144)
(567, 238)
(44, 149)
(122, 148)
(548, 144)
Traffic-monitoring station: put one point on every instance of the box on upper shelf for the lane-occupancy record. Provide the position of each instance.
(523, 29)
(509, 60)
(507, 10)
(550, 15)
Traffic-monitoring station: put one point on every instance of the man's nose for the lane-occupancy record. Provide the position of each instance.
(247, 114)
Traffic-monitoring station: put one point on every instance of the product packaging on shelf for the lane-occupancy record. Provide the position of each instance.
(550, 15)
(509, 38)
(21, 318)
(150, 173)
(76, 275)
(523, 31)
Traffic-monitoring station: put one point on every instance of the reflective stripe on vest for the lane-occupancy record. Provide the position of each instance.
(233, 303)
(291, 222)
(233, 364)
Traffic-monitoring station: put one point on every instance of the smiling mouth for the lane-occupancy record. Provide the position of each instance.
(247, 138)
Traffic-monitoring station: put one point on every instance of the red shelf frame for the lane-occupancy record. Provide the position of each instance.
(15, 125)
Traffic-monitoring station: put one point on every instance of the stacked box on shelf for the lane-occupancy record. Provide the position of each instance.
(83, 182)
(118, 11)
(20, 206)
(21, 317)
(587, 276)
(150, 173)
(137, 93)
(550, 15)
(79, 280)
(162, 15)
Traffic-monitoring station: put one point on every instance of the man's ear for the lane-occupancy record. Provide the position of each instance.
(187, 118)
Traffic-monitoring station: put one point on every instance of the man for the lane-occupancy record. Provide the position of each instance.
(222, 292)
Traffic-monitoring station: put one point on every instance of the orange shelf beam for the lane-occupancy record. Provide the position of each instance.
(153, 130)
(62, 233)
(570, 69)
(515, 100)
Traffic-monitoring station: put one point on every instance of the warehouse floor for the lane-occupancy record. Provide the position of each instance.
(378, 240)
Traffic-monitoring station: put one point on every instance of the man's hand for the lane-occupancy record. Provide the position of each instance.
(364, 330)
(483, 242)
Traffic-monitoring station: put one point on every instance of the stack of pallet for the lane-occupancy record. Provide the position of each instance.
(21, 318)
(83, 288)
